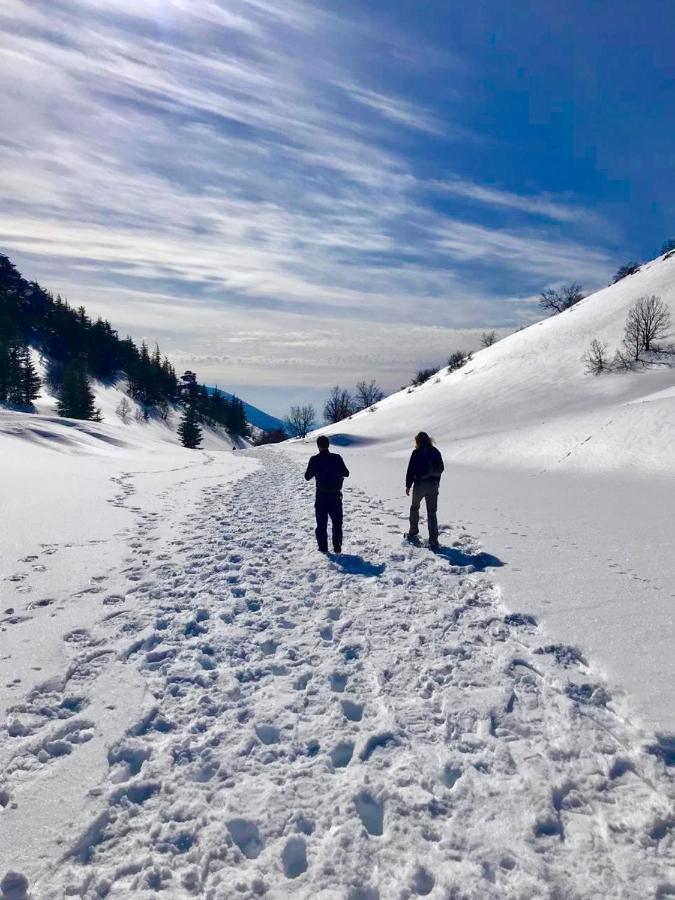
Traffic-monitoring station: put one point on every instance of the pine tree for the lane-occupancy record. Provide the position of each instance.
(189, 429)
(30, 380)
(76, 398)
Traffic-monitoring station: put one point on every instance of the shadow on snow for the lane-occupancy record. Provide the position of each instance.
(357, 565)
(478, 561)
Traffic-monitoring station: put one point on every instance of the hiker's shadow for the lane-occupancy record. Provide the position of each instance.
(478, 561)
(357, 565)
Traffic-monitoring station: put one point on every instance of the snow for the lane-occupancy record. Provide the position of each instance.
(569, 478)
(238, 716)
(198, 704)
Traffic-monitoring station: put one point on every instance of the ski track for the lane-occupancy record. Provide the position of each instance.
(374, 725)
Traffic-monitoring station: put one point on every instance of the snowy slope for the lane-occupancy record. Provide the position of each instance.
(108, 398)
(527, 400)
(568, 478)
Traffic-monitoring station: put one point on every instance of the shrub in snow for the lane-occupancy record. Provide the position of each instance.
(488, 338)
(629, 269)
(457, 359)
(669, 246)
(422, 376)
(123, 410)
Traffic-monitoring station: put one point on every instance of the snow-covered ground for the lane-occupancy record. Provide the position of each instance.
(220, 712)
(568, 478)
(197, 703)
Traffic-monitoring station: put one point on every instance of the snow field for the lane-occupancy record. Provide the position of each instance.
(374, 725)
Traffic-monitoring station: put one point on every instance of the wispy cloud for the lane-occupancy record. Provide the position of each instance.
(535, 204)
(229, 159)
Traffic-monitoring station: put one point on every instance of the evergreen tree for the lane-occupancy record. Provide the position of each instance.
(189, 429)
(76, 398)
(30, 380)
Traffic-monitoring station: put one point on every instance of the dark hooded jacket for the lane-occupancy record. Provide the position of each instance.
(329, 470)
(426, 464)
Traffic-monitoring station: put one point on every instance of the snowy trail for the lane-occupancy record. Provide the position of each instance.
(369, 726)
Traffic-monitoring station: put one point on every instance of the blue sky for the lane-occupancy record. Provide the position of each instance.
(288, 194)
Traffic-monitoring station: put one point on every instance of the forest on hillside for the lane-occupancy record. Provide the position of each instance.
(77, 349)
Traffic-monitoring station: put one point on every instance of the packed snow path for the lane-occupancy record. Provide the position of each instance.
(373, 725)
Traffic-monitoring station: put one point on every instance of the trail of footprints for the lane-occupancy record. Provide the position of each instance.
(315, 728)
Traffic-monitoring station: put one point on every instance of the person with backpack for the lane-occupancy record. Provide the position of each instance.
(424, 476)
(329, 471)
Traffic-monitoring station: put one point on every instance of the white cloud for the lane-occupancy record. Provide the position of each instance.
(202, 162)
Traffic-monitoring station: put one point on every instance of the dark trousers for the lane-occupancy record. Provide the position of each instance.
(427, 491)
(328, 506)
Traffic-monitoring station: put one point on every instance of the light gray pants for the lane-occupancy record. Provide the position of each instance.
(427, 490)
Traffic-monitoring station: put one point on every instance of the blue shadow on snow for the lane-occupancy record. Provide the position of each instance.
(479, 561)
(357, 565)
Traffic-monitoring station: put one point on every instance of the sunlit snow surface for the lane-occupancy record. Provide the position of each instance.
(198, 704)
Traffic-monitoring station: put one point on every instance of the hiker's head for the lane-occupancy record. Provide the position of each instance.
(322, 442)
(422, 440)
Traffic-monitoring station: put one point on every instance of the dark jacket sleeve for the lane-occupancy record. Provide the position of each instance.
(441, 465)
(344, 471)
(311, 471)
(410, 474)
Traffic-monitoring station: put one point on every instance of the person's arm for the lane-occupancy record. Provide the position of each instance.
(344, 471)
(311, 472)
(410, 474)
(441, 466)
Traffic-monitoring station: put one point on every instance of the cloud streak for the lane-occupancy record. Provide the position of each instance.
(238, 159)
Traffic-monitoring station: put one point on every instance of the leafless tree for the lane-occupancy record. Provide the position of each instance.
(300, 420)
(596, 357)
(368, 393)
(648, 321)
(488, 338)
(123, 410)
(558, 301)
(623, 271)
(338, 406)
(163, 410)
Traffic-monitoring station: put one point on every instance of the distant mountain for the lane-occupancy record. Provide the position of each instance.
(255, 416)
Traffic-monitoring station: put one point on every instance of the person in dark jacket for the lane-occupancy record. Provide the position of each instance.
(424, 476)
(329, 471)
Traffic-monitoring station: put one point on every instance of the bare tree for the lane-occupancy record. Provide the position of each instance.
(623, 271)
(123, 410)
(300, 420)
(164, 410)
(558, 301)
(488, 338)
(368, 393)
(338, 406)
(596, 357)
(648, 321)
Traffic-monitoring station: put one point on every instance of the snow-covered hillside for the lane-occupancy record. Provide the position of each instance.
(197, 703)
(108, 397)
(528, 401)
(567, 477)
